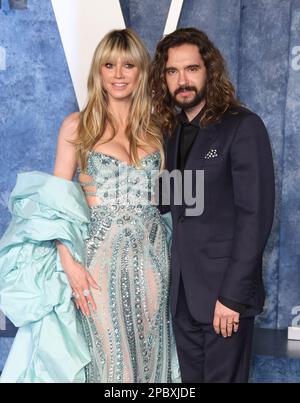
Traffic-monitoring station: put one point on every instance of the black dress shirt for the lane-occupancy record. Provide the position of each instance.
(188, 133)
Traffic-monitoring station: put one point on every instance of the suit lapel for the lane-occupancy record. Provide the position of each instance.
(196, 161)
(173, 149)
(202, 144)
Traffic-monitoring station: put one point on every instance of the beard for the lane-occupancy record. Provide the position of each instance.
(198, 98)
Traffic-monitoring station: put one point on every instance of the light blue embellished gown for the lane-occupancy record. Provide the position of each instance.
(127, 254)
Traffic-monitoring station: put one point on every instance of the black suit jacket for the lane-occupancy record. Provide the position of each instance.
(219, 253)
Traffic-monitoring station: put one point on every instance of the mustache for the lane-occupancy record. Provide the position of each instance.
(185, 88)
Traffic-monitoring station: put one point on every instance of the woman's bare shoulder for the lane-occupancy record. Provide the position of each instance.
(69, 126)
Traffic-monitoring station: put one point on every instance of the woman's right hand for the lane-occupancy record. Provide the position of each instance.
(79, 278)
(80, 281)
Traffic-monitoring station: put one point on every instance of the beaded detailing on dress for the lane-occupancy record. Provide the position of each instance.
(127, 254)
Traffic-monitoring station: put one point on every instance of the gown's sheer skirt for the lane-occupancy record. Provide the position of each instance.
(127, 255)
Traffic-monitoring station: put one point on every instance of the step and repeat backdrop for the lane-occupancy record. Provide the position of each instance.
(45, 52)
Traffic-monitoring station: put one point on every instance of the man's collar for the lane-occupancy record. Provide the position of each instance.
(183, 119)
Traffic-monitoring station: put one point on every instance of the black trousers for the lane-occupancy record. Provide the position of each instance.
(204, 356)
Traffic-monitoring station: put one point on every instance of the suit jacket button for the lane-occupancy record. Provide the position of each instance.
(181, 218)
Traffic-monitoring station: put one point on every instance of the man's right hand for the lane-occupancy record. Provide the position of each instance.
(226, 321)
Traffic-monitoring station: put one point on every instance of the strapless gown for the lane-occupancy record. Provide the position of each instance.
(129, 335)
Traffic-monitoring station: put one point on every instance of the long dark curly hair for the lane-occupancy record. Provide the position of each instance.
(219, 92)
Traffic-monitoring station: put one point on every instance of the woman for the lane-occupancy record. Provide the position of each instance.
(127, 327)
(121, 287)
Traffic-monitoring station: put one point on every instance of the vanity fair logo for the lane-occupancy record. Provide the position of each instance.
(14, 4)
(294, 329)
(2, 58)
(82, 24)
(296, 313)
(296, 58)
(2, 322)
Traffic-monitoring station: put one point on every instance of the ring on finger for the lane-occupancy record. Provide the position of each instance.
(86, 293)
(75, 295)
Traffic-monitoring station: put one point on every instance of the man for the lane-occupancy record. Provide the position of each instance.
(216, 257)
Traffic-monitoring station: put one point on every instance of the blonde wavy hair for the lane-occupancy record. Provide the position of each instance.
(142, 125)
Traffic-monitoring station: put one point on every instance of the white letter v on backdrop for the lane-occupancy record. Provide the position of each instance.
(173, 17)
(81, 24)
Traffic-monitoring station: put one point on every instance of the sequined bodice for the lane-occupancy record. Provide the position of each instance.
(115, 182)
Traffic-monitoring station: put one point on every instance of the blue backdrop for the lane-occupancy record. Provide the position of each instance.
(260, 40)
